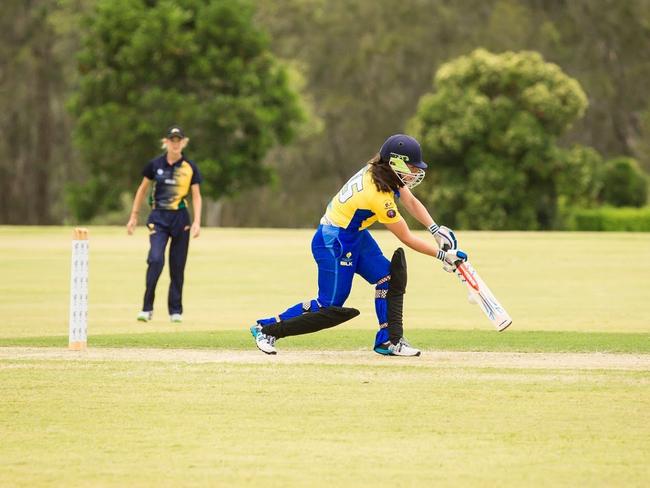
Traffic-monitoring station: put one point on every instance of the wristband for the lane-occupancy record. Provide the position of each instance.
(441, 255)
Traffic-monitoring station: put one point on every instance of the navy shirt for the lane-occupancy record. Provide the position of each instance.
(171, 182)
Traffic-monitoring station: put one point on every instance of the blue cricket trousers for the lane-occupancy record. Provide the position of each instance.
(165, 225)
(341, 254)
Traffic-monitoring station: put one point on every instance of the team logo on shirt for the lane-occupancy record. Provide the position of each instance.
(347, 260)
(160, 171)
(391, 213)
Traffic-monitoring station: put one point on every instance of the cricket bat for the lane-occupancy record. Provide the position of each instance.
(480, 293)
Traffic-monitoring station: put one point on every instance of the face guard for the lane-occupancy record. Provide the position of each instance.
(410, 177)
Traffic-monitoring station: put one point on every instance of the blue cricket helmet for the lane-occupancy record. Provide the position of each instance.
(405, 147)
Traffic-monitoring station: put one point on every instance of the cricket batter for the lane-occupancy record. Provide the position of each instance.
(173, 177)
(343, 246)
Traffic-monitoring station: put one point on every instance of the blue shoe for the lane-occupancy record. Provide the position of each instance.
(383, 349)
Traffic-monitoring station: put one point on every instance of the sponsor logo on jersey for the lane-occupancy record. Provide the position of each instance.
(347, 260)
(391, 213)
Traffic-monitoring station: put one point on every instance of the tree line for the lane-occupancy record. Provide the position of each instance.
(283, 99)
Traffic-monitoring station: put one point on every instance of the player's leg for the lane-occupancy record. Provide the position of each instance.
(334, 279)
(375, 269)
(291, 312)
(395, 295)
(180, 242)
(390, 285)
(335, 275)
(397, 346)
(336, 256)
(158, 236)
(308, 322)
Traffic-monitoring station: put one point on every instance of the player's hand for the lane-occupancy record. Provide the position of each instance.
(195, 230)
(449, 268)
(445, 238)
(451, 258)
(131, 225)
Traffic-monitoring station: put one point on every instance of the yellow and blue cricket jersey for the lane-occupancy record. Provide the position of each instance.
(359, 204)
(343, 247)
(171, 182)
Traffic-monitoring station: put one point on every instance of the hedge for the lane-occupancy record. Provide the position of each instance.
(624, 219)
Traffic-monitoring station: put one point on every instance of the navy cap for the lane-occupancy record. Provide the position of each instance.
(175, 131)
(405, 147)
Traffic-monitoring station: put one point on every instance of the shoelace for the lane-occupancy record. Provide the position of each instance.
(402, 343)
(268, 338)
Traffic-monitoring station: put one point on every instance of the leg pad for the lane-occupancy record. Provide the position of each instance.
(395, 295)
(311, 322)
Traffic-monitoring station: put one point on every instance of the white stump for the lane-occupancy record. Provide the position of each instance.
(78, 325)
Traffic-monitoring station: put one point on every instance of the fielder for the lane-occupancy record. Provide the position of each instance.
(173, 177)
(343, 246)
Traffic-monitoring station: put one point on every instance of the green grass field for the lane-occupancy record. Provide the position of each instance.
(562, 398)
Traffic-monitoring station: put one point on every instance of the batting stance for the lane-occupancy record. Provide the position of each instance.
(342, 246)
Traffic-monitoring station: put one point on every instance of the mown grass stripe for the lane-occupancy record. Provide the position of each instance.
(353, 339)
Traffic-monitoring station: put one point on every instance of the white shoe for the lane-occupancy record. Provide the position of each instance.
(403, 348)
(145, 316)
(176, 317)
(265, 343)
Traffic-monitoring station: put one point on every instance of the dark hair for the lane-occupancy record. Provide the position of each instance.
(383, 176)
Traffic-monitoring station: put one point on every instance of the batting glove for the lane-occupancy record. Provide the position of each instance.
(444, 236)
(451, 258)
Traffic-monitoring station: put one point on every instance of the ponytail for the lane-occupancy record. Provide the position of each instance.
(383, 176)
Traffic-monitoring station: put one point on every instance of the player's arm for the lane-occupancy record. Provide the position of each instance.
(401, 230)
(415, 207)
(196, 210)
(443, 235)
(137, 203)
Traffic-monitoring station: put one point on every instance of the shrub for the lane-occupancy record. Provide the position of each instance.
(490, 128)
(625, 184)
(623, 219)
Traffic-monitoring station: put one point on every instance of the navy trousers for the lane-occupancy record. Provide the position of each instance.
(165, 225)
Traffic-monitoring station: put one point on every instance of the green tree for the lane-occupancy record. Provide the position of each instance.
(145, 65)
(490, 132)
(581, 179)
(624, 183)
(606, 45)
(33, 122)
(365, 65)
(580, 182)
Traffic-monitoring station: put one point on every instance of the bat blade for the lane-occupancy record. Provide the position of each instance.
(483, 296)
